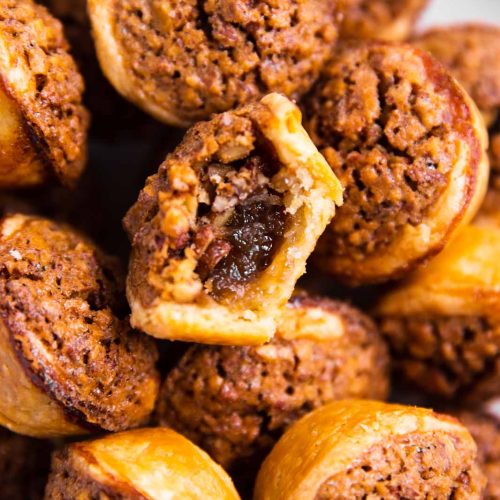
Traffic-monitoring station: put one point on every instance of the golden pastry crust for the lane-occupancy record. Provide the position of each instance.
(443, 323)
(408, 145)
(222, 233)
(235, 402)
(44, 124)
(183, 62)
(141, 464)
(381, 19)
(69, 362)
(337, 439)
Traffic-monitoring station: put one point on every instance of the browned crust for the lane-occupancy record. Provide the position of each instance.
(71, 477)
(57, 146)
(404, 253)
(167, 295)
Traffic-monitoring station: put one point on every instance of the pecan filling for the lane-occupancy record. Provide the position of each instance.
(241, 224)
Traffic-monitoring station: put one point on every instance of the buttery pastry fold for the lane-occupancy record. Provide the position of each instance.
(69, 363)
(181, 62)
(142, 464)
(359, 449)
(408, 145)
(222, 232)
(44, 123)
(443, 323)
(235, 402)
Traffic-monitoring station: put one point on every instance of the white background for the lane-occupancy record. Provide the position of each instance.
(441, 12)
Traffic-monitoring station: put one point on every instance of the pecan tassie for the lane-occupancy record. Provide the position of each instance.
(137, 465)
(235, 402)
(70, 362)
(44, 123)
(366, 449)
(222, 232)
(183, 61)
(408, 146)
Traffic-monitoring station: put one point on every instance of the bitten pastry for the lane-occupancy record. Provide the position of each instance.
(222, 232)
(235, 402)
(472, 53)
(181, 62)
(44, 124)
(68, 362)
(408, 145)
(24, 466)
(443, 323)
(484, 427)
(140, 464)
(365, 449)
(382, 19)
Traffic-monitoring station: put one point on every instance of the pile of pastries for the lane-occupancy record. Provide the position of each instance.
(238, 141)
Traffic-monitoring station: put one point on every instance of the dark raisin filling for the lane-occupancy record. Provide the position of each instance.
(239, 235)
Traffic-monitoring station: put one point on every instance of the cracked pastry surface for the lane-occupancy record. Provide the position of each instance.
(382, 19)
(70, 361)
(442, 323)
(359, 449)
(24, 466)
(140, 464)
(235, 402)
(44, 126)
(472, 53)
(183, 61)
(408, 145)
(222, 232)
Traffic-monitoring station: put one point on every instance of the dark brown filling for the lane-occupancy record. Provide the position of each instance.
(244, 226)
(435, 465)
(443, 355)
(211, 56)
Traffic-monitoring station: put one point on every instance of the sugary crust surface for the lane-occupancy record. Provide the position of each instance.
(62, 313)
(211, 56)
(235, 402)
(167, 295)
(485, 429)
(431, 465)
(24, 466)
(142, 464)
(448, 356)
(331, 439)
(472, 53)
(42, 82)
(408, 145)
(382, 19)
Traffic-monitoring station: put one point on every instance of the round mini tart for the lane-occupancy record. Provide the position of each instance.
(24, 466)
(443, 322)
(472, 53)
(409, 147)
(44, 124)
(381, 19)
(366, 449)
(222, 232)
(69, 363)
(181, 62)
(141, 464)
(235, 402)
(484, 426)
